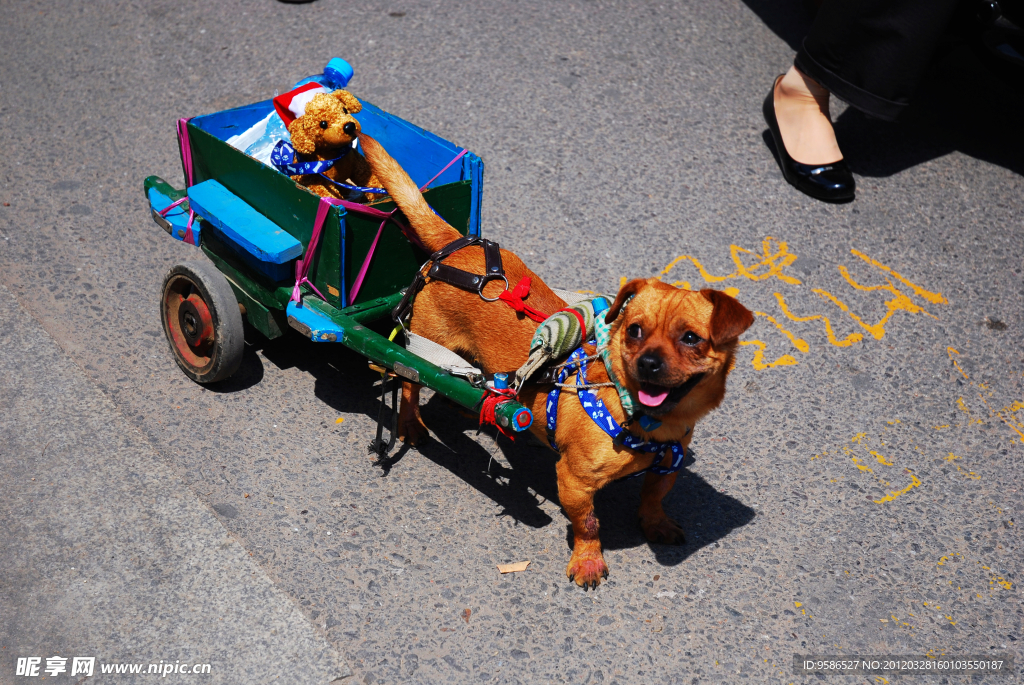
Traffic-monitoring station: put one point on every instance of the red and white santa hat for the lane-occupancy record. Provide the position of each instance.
(292, 105)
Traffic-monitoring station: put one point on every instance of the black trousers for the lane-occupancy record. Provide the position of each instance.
(873, 53)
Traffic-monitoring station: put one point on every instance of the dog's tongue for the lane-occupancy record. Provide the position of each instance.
(653, 395)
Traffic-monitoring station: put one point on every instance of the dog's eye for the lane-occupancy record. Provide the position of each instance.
(690, 338)
(324, 125)
(634, 331)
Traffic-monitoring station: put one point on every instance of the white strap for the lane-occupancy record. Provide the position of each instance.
(571, 297)
(453, 363)
(438, 354)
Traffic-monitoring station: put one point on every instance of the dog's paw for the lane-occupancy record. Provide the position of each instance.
(663, 531)
(587, 569)
(412, 430)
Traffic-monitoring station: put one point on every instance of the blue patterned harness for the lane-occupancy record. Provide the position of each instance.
(597, 411)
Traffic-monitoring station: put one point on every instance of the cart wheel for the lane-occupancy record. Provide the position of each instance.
(202, 322)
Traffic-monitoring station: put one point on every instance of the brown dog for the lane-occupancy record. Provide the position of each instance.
(326, 131)
(671, 348)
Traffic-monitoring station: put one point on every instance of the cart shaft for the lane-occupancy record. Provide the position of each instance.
(377, 348)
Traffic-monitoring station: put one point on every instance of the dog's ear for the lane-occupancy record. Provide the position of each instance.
(628, 290)
(301, 140)
(348, 101)
(729, 318)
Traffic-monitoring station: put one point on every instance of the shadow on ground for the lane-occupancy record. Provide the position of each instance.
(705, 514)
(965, 103)
(524, 476)
(960, 107)
(250, 371)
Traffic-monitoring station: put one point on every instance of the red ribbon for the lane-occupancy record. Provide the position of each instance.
(514, 298)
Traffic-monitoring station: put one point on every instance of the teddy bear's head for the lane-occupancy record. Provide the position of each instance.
(327, 125)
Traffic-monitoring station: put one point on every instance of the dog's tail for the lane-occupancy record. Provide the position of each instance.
(431, 230)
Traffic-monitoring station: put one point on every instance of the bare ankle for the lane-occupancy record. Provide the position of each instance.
(796, 86)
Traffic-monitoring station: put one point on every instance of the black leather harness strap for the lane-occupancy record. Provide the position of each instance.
(464, 279)
(493, 269)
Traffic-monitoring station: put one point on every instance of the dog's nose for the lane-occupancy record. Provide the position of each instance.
(649, 365)
(349, 129)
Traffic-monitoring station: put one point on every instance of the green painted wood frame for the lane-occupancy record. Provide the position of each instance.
(344, 243)
(346, 236)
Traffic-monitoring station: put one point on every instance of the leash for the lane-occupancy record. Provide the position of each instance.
(435, 268)
(599, 414)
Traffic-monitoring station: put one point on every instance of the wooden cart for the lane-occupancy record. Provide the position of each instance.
(252, 222)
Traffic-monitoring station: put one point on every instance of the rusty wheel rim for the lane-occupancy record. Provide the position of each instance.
(189, 323)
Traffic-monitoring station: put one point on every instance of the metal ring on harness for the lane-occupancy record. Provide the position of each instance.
(487, 279)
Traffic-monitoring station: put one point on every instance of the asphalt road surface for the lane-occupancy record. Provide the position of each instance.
(856, 494)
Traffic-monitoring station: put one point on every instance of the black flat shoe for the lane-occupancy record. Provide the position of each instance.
(831, 182)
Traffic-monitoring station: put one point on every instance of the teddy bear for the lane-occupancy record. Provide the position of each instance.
(322, 129)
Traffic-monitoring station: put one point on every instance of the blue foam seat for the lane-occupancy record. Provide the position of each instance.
(176, 221)
(313, 324)
(243, 225)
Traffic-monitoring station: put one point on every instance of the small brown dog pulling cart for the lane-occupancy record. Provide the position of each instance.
(640, 372)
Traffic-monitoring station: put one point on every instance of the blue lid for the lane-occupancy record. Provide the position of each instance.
(338, 72)
(501, 381)
(600, 304)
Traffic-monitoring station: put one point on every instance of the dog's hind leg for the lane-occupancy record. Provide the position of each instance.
(657, 526)
(411, 428)
(586, 566)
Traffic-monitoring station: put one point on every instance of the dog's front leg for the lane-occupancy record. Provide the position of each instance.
(586, 566)
(655, 523)
(411, 428)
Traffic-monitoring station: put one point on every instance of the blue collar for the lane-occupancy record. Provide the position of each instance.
(600, 415)
(283, 154)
